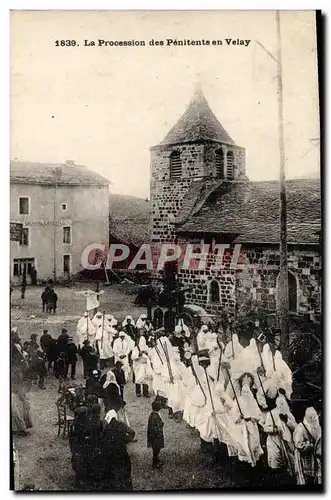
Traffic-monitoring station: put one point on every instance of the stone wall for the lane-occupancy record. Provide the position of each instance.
(257, 280)
(167, 195)
(239, 167)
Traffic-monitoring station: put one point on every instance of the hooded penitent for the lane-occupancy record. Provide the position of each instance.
(110, 379)
(307, 440)
(202, 337)
(125, 322)
(110, 416)
(183, 328)
(141, 321)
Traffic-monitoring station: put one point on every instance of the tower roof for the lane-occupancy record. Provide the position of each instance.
(197, 123)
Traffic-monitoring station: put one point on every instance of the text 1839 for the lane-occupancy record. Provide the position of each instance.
(66, 43)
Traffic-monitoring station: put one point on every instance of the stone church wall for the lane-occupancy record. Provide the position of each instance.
(257, 281)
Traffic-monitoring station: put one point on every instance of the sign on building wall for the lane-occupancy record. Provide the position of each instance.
(15, 231)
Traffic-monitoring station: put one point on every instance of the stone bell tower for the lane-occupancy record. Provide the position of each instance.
(196, 153)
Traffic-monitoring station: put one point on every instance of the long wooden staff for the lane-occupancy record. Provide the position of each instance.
(199, 383)
(260, 356)
(276, 428)
(168, 362)
(210, 394)
(158, 353)
(103, 324)
(273, 361)
(232, 345)
(219, 364)
(265, 397)
(234, 392)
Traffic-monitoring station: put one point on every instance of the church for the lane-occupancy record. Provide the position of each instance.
(200, 194)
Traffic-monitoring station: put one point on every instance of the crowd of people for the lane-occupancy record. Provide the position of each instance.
(234, 395)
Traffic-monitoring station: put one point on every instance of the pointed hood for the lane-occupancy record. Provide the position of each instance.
(197, 123)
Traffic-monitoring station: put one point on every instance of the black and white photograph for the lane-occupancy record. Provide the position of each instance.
(166, 251)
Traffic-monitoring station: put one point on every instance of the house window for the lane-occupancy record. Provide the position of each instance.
(220, 164)
(214, 292)
(24, 242)
(24, 208)
(22, 266)
(229, 165)
(64, 207)
(67, 235)
(66, 264)
(175, 165)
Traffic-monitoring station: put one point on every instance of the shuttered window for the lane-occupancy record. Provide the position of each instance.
(220, 164)
(175, 165)
(67, 235)
(229, 165)
(25, 237)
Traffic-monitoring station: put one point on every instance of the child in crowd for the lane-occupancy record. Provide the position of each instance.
(155, 439)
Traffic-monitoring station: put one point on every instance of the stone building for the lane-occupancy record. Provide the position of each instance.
(200, 195)
(63, 208)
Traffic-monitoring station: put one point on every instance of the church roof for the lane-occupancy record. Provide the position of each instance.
(197, 123)
(61, 174)
(249, 211)
(129, 219)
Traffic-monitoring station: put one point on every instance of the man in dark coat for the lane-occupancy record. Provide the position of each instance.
(116, 459)
(45, 340)
(33, 343)
(52, 353)
(155, 439)
(120, 377)
(37, 364)
(89, 357)
(62, 340)
(70, 356)
(52, 302)
(169, 320)
(93, 385)
(33, 274)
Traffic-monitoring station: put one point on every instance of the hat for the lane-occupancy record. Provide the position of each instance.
(14, 329)
(86, 342)
(45, 331)
(33, 336)
(64, 330)
(95, 372)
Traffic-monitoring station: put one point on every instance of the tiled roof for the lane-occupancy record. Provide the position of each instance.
(250, 212)
(129, 219)
(130, 231)
(197, 123)
(62, 174)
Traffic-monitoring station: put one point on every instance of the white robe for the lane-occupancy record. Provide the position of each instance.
(249, 430)
(285, 372)
(85, 330)
(105, 343)
(141, 363)
(202, 340)
(276, 444)
(122, 349)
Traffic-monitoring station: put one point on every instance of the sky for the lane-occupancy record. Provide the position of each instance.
(104, 107)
